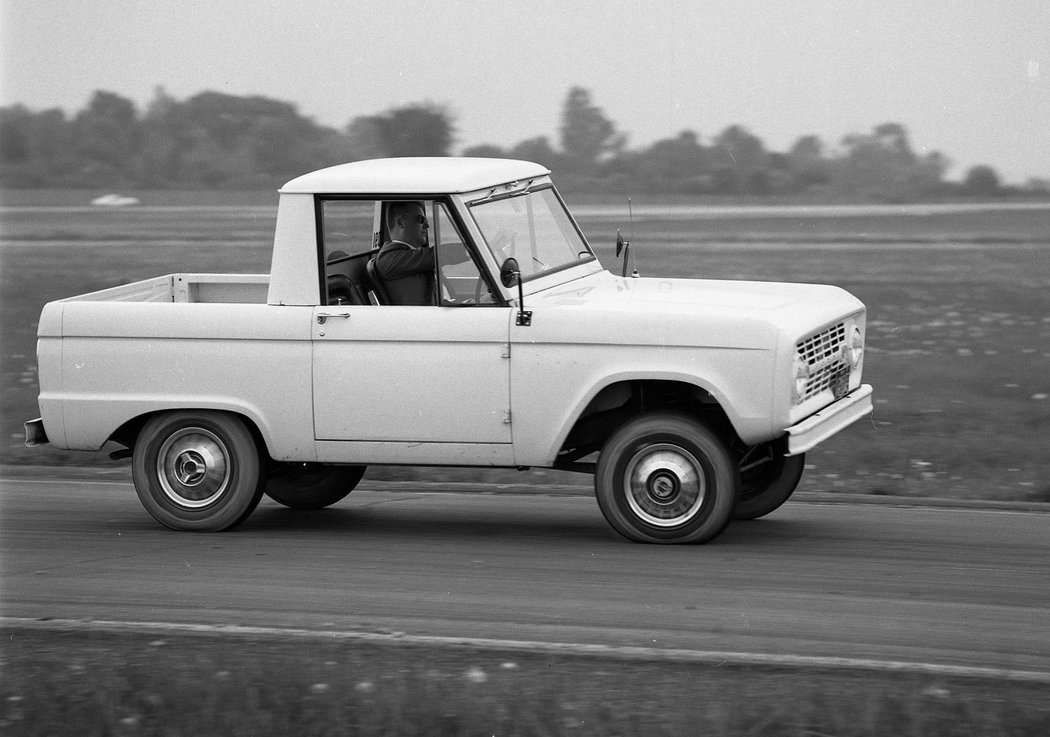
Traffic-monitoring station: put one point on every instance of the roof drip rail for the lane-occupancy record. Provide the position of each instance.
(486, 198)
(509, 191)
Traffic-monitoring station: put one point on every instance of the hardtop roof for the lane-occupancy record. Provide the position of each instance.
(420, 175)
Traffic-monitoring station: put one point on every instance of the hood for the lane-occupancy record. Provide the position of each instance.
(788, 307)
(609, 292)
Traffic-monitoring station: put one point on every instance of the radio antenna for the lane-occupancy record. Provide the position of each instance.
(634, 260)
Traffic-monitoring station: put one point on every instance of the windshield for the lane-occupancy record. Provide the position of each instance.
(534, 229)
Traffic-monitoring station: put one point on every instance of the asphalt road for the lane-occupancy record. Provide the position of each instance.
(945, 586)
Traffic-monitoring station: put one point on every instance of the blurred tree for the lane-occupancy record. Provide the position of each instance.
(227, 118)
(893, 138)
(229, 141)
(882, 166)
(586, 134)
(106, 138)
(366, 139)
(1038, 185)
(35, 148)
(219, 140)
(422, 129)
(737, 156)
(676, 164)
(163, 137)
(536, 149)
(982, 180)
(807, 164)
(485, 151)
(16, 147)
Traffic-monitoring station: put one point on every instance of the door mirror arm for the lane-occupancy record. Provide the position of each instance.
(509, 276)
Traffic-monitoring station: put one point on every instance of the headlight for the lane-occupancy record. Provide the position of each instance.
(800, 369)
(853, 350)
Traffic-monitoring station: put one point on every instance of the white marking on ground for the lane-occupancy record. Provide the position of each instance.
(619, 652)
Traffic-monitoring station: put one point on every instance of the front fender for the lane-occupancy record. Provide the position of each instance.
(552, 386)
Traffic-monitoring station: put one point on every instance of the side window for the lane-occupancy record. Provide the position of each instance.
(461, 279)
(347, 229)
(347, 226)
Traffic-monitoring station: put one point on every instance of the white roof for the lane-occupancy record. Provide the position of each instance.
(424, 175)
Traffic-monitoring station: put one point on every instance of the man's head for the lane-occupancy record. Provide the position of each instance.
(407, 222)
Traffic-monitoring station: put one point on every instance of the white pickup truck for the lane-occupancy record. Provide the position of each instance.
(691, 401)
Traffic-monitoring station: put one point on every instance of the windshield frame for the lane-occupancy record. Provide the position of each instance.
(529, 191)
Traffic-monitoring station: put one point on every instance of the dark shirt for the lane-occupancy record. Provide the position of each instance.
(407, 273)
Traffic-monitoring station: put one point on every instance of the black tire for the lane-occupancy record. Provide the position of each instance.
(312, 485)
(665, 478)
(197, 470)
(767, 479)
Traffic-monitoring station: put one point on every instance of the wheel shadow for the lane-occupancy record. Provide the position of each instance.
(394, 520)
(553, 522)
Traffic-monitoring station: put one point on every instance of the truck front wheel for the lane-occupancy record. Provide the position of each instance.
(197, 470)
(665, 478)
(312, 485)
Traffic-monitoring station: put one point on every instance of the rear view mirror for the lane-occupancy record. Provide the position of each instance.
(509, 273)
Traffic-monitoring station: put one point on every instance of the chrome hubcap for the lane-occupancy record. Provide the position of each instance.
(193, 468)
(665, 485)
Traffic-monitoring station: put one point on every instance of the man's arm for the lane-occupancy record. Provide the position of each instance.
(398, 260)
(454, 253)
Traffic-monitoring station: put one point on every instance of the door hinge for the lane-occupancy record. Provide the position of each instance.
(506, 351)
(506, 417)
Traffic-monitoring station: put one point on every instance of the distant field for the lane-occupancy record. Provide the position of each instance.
(958, 299)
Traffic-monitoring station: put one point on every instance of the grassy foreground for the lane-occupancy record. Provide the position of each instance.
(98, 683)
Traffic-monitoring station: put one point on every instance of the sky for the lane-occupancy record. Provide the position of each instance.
(967, 78)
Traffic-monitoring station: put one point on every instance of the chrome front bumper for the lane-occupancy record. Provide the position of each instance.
(820, 426)
(35, 434)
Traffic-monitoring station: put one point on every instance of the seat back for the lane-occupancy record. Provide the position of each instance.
(376, 282)
(343, 291)
(348, 278)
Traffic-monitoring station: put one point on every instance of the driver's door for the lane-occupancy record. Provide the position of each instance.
(412, 374)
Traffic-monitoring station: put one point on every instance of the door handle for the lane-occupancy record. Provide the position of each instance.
(322, 316)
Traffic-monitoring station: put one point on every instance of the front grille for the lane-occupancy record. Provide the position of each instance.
(823, 346)
(827, 368)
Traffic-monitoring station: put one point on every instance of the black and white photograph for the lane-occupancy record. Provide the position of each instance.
(510, 369)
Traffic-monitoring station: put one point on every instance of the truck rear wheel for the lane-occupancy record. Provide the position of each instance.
(197, 470)
(312, 485)
(767, 480)
(665, 478)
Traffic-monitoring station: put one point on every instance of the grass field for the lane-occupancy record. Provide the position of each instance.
(958, 300)
(97, 683)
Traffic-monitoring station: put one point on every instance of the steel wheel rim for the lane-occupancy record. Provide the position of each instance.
(665, 485)
(193, 467)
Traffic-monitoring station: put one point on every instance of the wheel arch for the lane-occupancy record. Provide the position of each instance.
(619, 399)
(127, 434)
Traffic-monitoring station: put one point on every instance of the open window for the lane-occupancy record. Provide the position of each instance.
(352, 231)
(348, 242)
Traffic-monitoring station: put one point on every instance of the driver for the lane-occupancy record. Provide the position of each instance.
(405, 263)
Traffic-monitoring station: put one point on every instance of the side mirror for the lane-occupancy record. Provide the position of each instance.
(510, 276)
(625, 247)
(509, 273)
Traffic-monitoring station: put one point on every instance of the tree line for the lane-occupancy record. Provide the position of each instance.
(221, 141)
